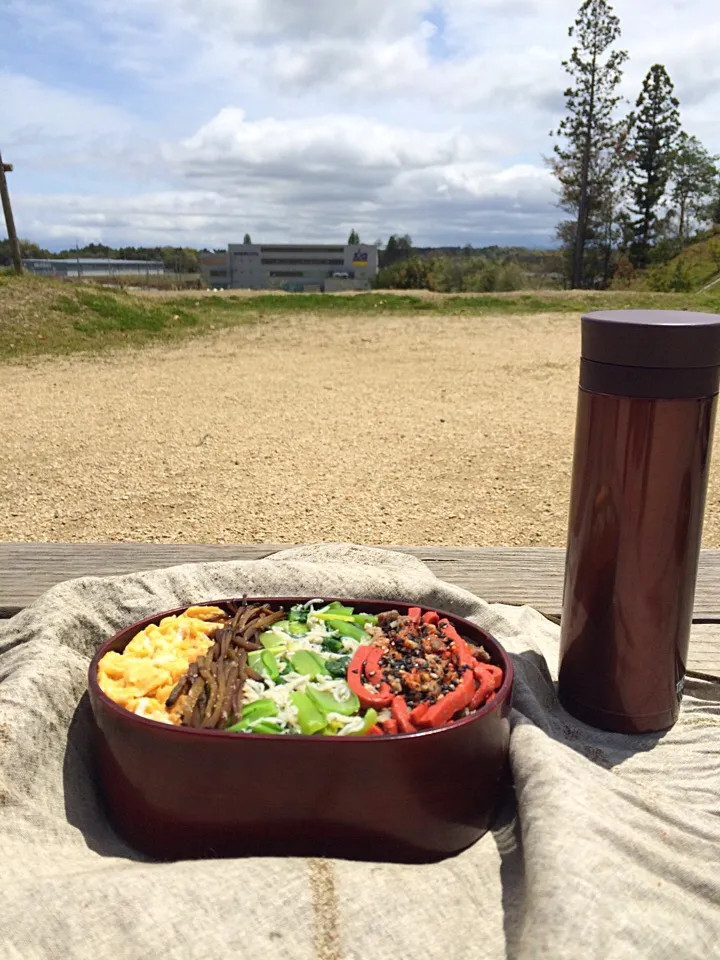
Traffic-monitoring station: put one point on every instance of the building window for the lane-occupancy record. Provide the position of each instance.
(301, 261)
(286, 273)
(301, 249)
(218, 273)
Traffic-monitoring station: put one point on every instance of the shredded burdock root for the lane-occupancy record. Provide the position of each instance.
(214, 683)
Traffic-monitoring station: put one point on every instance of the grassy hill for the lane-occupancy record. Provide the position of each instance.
(690, 270)
(41, 316)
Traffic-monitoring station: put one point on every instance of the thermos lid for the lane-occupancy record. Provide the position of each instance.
(668, 339)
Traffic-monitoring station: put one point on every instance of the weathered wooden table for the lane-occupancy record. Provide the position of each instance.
(532, 575)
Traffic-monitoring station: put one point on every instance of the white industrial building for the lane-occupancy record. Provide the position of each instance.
(295, 267)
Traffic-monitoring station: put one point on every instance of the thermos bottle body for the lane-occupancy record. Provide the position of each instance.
(645, 419)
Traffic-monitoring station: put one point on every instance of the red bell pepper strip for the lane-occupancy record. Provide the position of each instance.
(431, 617)
(449, 630)
(390, 726)
(418, 712)
(499, 676)
(414, 613)
(374, 731)
(446, 707)
(495, 672)
(379, 700)
(372, 665)
(485, 687)
(401, 715)
(462, 651)
(465, 658)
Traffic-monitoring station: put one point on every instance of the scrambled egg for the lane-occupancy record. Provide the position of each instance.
(142, 677)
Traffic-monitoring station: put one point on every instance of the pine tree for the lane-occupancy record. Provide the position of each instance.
(354, 238)
(712, 213)
(588, 132)
(694, 177)
(655, 129)
(247, 238)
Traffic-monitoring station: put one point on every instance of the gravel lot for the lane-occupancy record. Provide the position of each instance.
(422, 430)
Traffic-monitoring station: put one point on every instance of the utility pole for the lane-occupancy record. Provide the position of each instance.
(9, 221)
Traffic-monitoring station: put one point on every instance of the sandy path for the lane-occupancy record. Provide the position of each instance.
(422, 430)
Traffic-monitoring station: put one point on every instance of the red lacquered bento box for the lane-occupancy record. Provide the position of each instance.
(177, 793)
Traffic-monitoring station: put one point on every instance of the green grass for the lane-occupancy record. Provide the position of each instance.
(701, 262)
(379, 302)
(46, 317)
(692, 269)
(41, 317)
(104, 313)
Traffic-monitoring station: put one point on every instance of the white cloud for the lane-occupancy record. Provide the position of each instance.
(273, 18)
(315, 181)
(334, 146)
(281, 116)
(323, 172)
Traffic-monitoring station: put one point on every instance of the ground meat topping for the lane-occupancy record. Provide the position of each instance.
(418, 659)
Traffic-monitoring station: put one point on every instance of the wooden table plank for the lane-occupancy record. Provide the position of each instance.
(510, 575)
(704, 654)
(513, 575)
(29, 569)
(531, 575)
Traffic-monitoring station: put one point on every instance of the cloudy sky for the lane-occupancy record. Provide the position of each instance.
(192, 121)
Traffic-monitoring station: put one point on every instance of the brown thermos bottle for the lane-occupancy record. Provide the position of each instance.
(645, 417)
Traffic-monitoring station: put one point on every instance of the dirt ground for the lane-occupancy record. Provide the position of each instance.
(386, 430)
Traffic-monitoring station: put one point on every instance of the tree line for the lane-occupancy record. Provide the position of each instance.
(637, 187)
(175, 259)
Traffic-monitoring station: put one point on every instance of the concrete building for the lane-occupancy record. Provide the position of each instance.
(296, 267)
(215, 271)
(92, 267)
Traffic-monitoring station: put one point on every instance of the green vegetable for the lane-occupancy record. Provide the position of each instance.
(337, 608)
(326, 702)
(297, 628)
(264, 662)
(363, 618)
(371, 718)
(332, 645)
(271, 665)
(309, 664)
(260, 708)
(338, 668)
(266, 727)
(351, 630)
(310, 719)
(270, 640)
(298, 614)
(336, 617)
(255, 711)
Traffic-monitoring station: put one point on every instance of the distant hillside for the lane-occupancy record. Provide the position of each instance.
(690, 271)
(701, 261)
